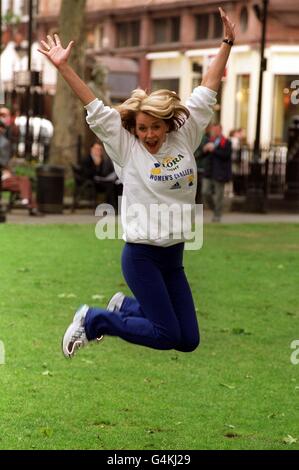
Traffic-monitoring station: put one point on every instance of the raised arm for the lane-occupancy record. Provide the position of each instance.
(58, 56)
(212, 78)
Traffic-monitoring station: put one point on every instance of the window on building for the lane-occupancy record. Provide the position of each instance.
(202, 26)
(95, 37)
(122, 34)
(244, 19)
(197, 70)
(25, 7)
(218, 105)
(284, 110)
(21, 7)
(99, 36)
(217, 26)
(166, 30)
(128, 33)
(242, 101)
(196, 77)
(172, 84)
(160, 31)
(175, 29)
(90, 38)
(208, 25)
(135, 33)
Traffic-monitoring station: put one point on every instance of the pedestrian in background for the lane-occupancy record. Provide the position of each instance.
(217, 171)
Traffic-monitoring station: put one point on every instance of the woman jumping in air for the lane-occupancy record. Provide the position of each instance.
(151, 140)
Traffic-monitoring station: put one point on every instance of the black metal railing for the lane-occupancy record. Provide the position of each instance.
(272, 172)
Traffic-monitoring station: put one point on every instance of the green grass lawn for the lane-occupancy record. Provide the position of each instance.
(238, 390)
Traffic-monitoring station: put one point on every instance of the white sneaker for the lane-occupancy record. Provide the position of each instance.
(75, 336)
(115, 303)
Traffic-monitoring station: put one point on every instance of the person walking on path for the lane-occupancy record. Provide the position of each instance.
(217, 172)
(151, 139)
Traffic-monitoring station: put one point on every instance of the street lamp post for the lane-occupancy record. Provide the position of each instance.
(28, 87)
(2, 213)
(255, 197)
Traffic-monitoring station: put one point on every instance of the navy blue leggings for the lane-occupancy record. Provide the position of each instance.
(162, 314)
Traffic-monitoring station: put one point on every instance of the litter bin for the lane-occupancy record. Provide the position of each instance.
(50, 189)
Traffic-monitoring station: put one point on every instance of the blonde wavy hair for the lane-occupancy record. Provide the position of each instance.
(162, 104)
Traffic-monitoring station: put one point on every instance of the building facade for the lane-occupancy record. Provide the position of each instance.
(170, 44)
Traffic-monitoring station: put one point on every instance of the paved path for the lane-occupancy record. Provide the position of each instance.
(19, 216)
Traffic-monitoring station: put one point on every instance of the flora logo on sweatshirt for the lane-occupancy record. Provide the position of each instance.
(172, 163)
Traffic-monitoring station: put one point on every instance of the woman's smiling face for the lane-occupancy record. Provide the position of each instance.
(151, 131)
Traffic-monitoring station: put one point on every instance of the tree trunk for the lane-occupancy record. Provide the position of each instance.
(68, 112)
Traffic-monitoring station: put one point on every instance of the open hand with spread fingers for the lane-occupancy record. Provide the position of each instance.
(229, 27)
(54, 50)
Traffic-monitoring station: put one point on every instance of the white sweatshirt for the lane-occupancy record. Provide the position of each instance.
(158, 189)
